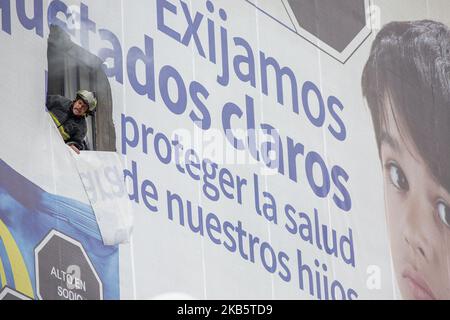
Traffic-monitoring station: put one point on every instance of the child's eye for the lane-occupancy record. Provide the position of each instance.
(444, 212)
(397, 177)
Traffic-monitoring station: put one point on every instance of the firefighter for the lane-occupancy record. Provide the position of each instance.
(70, 116)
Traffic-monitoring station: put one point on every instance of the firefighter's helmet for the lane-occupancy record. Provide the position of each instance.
(89, 98)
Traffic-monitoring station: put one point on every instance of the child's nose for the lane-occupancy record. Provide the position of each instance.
(416, 247)
(416, 225)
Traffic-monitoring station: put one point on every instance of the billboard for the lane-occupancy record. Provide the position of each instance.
(271, 150)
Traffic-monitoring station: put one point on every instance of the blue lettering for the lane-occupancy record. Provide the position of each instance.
(341, 133)
(86, 26)
(31, 23)
(196, 89)
(178, 106)
(134, 55)
(315, 158)
(125, 140)
(279, 74)
(346, 202)
(134, 196)
(192, 29)
(55, 7)
(153, 195)
(228, 110)
(158, 138)
(5, 6)
(227, 226)
(266, 247)
(162, 5)
(307, 87)
(213, 224)
(247, 60)
(115, 54)
(210, 174)
(293, 152)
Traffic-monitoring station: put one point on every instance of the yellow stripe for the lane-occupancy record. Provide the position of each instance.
(19, 269)
(2, 274)
(55, 118)
(63, 133)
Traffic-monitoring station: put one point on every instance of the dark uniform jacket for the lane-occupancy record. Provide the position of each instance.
(72, 128)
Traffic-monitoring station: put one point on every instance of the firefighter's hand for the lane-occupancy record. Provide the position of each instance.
(74, 148)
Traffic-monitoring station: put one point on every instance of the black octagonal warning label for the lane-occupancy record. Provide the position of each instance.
(64, 270)
(338, 28)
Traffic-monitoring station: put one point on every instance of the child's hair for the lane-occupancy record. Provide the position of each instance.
(409, 65)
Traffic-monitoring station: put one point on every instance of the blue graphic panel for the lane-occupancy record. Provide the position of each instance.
(29, 214)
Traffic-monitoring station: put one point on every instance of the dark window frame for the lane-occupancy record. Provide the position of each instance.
(61, 51)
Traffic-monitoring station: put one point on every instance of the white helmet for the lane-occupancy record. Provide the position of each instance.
(88, 98)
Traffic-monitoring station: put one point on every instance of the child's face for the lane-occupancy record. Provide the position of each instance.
(418, 215)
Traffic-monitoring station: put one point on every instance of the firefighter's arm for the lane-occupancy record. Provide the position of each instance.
(53, 101)
(76, 140)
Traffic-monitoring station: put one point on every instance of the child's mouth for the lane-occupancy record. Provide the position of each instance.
(417, 285)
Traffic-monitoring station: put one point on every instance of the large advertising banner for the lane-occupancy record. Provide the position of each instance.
(244, 145)
(271, 149)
